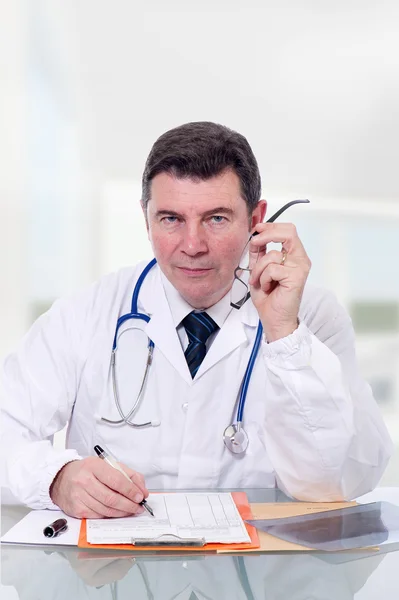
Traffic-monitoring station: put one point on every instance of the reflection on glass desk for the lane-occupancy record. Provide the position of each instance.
(68, 573)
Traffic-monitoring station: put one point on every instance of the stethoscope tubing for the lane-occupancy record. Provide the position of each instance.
(137, 287)
(134, 314)
(248, 373)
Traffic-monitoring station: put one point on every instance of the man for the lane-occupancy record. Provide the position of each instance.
(312, 424)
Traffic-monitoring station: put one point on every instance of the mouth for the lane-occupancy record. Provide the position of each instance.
(194, 272)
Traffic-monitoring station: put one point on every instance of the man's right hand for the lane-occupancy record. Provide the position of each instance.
(92, 489)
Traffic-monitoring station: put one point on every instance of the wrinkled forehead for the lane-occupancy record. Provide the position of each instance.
(170, 192)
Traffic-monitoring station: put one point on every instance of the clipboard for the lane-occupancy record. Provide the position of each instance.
(196, 545)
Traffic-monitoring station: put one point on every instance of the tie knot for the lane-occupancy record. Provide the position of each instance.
(199, 326)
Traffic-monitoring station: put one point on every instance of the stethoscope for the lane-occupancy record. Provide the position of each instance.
(234, 436)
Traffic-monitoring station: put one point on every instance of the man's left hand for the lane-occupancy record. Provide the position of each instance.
(277, 283)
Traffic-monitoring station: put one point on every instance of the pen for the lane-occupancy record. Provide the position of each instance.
(113, 463)
(55, 528)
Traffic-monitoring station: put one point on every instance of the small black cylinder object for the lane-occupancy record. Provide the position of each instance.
(55, 528)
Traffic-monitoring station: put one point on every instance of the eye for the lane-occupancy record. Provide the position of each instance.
(218, 218)
(170, 220)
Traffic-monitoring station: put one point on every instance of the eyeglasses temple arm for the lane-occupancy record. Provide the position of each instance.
(281, 210)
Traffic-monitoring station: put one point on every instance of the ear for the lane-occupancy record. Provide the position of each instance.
(144, 209)
(258, 213)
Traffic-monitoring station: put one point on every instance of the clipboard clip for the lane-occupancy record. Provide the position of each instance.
(169, 540)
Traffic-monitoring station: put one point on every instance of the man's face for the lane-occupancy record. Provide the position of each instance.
(198, 231)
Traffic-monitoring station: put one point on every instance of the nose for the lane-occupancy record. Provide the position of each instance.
(194, 240)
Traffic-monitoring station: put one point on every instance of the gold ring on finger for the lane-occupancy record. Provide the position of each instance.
(284, 253)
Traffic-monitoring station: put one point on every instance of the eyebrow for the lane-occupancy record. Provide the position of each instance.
(218, 210)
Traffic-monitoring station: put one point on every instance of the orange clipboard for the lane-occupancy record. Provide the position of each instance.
(240, 500)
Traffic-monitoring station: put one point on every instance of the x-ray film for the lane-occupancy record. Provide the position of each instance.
(359, 526)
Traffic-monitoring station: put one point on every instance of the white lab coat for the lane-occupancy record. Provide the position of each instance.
(314, 428)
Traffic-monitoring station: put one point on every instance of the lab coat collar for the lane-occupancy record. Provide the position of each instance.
(233, 334)
(249, 314)
(162, 330)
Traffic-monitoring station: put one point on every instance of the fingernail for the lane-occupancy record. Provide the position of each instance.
(138, 498)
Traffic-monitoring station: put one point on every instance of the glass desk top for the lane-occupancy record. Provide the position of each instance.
(63, 574)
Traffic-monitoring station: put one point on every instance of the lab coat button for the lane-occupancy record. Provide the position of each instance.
(184, 406)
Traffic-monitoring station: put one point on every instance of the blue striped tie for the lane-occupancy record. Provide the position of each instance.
(199, 326)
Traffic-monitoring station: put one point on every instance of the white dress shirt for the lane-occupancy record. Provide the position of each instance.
(179, 309)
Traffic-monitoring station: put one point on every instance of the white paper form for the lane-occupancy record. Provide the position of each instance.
(29, 530)
(213, 516)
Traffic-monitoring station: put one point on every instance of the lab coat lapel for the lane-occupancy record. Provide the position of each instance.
(232, 335)
(161, 329)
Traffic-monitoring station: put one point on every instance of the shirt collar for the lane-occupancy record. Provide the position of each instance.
(179, 308)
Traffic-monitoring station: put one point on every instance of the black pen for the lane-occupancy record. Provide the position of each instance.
(114, 463)
(55, 528)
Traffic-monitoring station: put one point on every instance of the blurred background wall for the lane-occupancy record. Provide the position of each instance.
(87, 86)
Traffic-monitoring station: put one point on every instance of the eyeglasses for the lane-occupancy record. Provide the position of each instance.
(240, 289)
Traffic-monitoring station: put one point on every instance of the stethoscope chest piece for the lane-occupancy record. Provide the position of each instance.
(235, 438)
